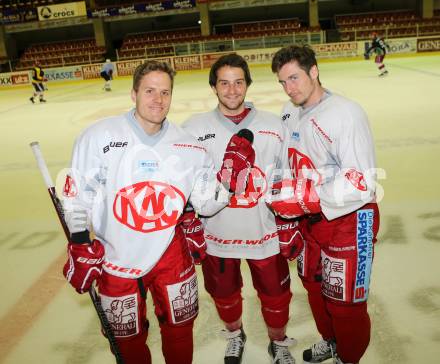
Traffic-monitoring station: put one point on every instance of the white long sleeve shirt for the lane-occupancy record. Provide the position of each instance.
(246, 228)
(331, 143)
(134, 187)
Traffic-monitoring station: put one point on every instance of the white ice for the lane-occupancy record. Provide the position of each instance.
(43, 319)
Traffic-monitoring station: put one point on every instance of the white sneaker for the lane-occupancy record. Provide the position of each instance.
(234, 349)
(279, 352)
(320, 351)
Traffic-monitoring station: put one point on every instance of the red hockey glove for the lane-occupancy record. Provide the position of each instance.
(294, 198)
(237, 163)
(291, 239)
(193, 228)
(84, 264)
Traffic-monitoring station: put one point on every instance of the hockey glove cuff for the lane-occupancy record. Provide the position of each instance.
(84, 264)
(290, 237)
(294, 198)
(194, 235)
(238, 160)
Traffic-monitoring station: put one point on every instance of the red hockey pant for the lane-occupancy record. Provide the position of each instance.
(270, 277)
(335, 268)
(173, 286)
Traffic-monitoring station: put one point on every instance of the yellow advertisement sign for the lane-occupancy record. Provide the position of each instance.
(61, 11)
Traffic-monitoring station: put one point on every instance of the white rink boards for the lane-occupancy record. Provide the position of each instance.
(44, 320)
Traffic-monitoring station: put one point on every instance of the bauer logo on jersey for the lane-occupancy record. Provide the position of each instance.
(356, 179)
(334, 281)
(114, 145)
(364, 254)
(183, 299)
(148, 206)
(206, 137)
(121, 313)
(69, 189)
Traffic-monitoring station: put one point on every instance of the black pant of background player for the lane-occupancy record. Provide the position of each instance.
(105, 76)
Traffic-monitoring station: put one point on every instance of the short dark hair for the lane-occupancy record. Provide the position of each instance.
(150, 66)
(231, 60)
(303, 55)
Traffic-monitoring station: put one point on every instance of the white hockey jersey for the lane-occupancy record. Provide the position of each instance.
(135, 186)
(331, 143)
(246, 228)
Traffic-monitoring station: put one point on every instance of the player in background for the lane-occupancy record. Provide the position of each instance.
(246, 229)
(107, 70)
(131, 176)
(332, 193)
(38, 80)
(378, 47)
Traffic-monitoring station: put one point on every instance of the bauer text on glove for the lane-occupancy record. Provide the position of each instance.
(290, 237)
(194, 235)
(84, 264)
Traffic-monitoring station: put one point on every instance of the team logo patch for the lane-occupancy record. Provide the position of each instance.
(148, 206)
(356, 179)
(334, 272)
(364, 240)
(184, 299)
(69, 189)
(122, 314)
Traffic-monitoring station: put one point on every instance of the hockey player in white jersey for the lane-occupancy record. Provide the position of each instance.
(130, 179)
(247, 228)
(332, 193)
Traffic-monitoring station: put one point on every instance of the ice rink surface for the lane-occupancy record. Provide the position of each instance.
(43, 320)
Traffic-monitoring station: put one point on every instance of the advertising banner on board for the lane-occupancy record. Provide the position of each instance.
(60, 11)
(91, 71)
(428, 45)
(71, 73)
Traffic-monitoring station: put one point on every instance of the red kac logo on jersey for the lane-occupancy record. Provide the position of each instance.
(302, 166)
(256, 187)
(148, 206)
(69, 189)
(356, 179)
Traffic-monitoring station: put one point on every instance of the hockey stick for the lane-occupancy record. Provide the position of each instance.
(60, 212)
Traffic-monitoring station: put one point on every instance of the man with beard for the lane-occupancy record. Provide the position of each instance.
(333, 194)
(246, 228)
(131, 176)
